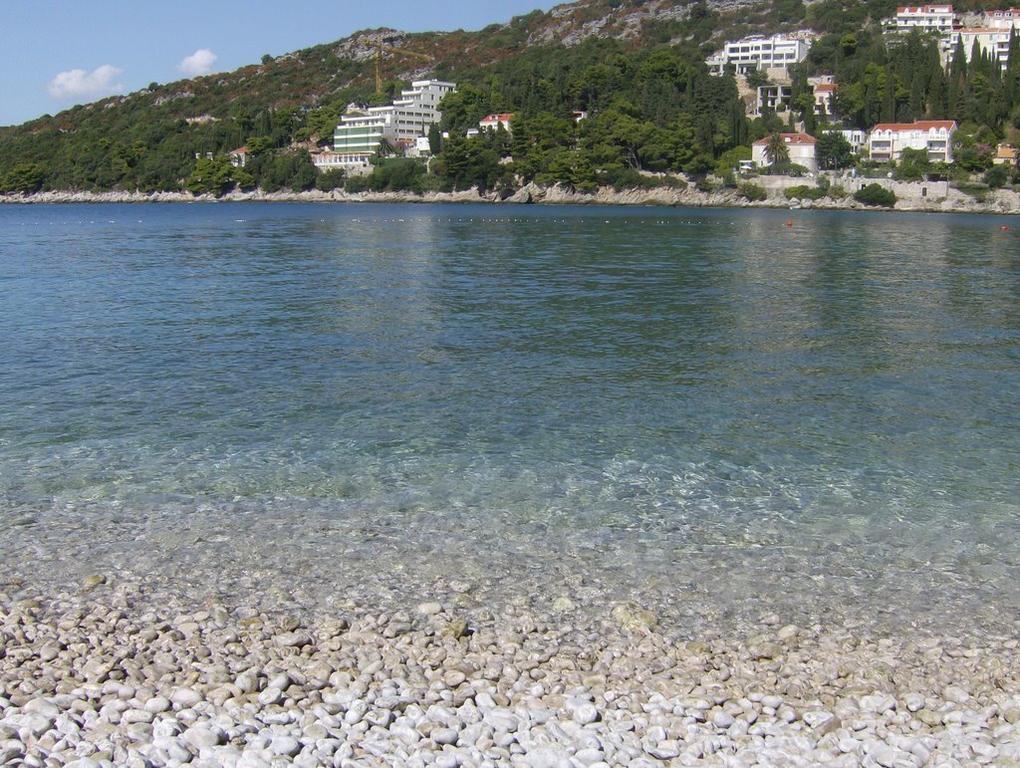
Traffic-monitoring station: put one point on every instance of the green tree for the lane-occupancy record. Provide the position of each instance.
(23, 177)
(211, 176)
(834, 151)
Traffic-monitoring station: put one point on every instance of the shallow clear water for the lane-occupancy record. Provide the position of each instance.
(694, 407)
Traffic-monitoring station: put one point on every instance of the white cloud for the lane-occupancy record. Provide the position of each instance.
(199, 63)
(75, 83)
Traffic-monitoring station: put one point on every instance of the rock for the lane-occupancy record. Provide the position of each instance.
(956, 694)
(445, 736)
(42, 707)
(877, 703)
(287, 746)
(92, 581)
(200, 737)
(765, 651)
(633, 617)
(501, 720)
(914, 702)
(270, 696)
(157, 704)
(586, 713)
(787, 633)
(563, 605)
(722, 719)
(186, 697)
(930, 717)
(430, 609)
(456, 629)
(664, 750)
(297, 639)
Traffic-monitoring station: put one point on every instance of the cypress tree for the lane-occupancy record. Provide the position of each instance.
(889, 97)
(916, 103)
(958, 70)
(1011, 87)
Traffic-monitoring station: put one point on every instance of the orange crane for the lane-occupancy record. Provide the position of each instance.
(379, 48)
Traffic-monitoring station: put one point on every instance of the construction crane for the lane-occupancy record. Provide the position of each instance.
(379, 48)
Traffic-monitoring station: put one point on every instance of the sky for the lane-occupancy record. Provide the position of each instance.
(58, 53)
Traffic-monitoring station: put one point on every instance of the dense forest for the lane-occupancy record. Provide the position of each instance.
(651, 104)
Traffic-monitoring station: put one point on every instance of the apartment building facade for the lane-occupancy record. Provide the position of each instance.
(759, 52)
(886, 141)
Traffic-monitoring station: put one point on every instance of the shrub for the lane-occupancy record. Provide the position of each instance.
(876, 195)
(705, 184)
(786, 169)
(837, 192)
(330, 180)
(804, 192)
(997, 176)
(753, 192)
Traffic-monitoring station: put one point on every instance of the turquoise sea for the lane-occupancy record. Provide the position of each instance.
(708, 410)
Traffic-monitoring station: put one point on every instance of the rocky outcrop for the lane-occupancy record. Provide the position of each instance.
(912, 196)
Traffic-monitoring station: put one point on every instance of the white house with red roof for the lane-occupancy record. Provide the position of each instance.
(933, 18)
(800, 146)
(238, 157)
(887, 141)
(494, 121)
(824, 93)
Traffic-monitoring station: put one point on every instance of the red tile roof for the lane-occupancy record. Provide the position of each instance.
(924, 9)
(825, 87)
(917, 125)
(792, 138)
(501, 117)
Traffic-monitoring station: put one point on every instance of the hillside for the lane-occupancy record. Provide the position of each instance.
(147, 139)
(639, 59)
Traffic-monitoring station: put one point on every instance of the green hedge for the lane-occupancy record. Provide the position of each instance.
(876, 195)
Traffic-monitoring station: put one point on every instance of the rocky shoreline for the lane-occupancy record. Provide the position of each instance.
(104, 674)
(912, 197)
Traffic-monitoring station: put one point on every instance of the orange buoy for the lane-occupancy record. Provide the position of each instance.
(789, 222)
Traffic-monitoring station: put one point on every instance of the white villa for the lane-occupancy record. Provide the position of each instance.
(361, 132)
(1007, 19)
(856, 138)
(801, 147)
(990, 40)
(934, 18)
(495, 121)
(824, 89)
(887, 141)
(759, 52)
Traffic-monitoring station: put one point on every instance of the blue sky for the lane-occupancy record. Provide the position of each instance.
(57, 53)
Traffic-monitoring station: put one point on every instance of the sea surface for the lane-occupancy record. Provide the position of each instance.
(715, 414)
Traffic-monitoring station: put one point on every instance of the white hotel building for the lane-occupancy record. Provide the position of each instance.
(361, 132)
(759, 52)
(933, 18)
(990, 40)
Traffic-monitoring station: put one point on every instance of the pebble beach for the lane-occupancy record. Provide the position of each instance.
(106, 674)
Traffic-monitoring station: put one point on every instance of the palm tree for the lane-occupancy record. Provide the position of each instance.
(776, 151)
